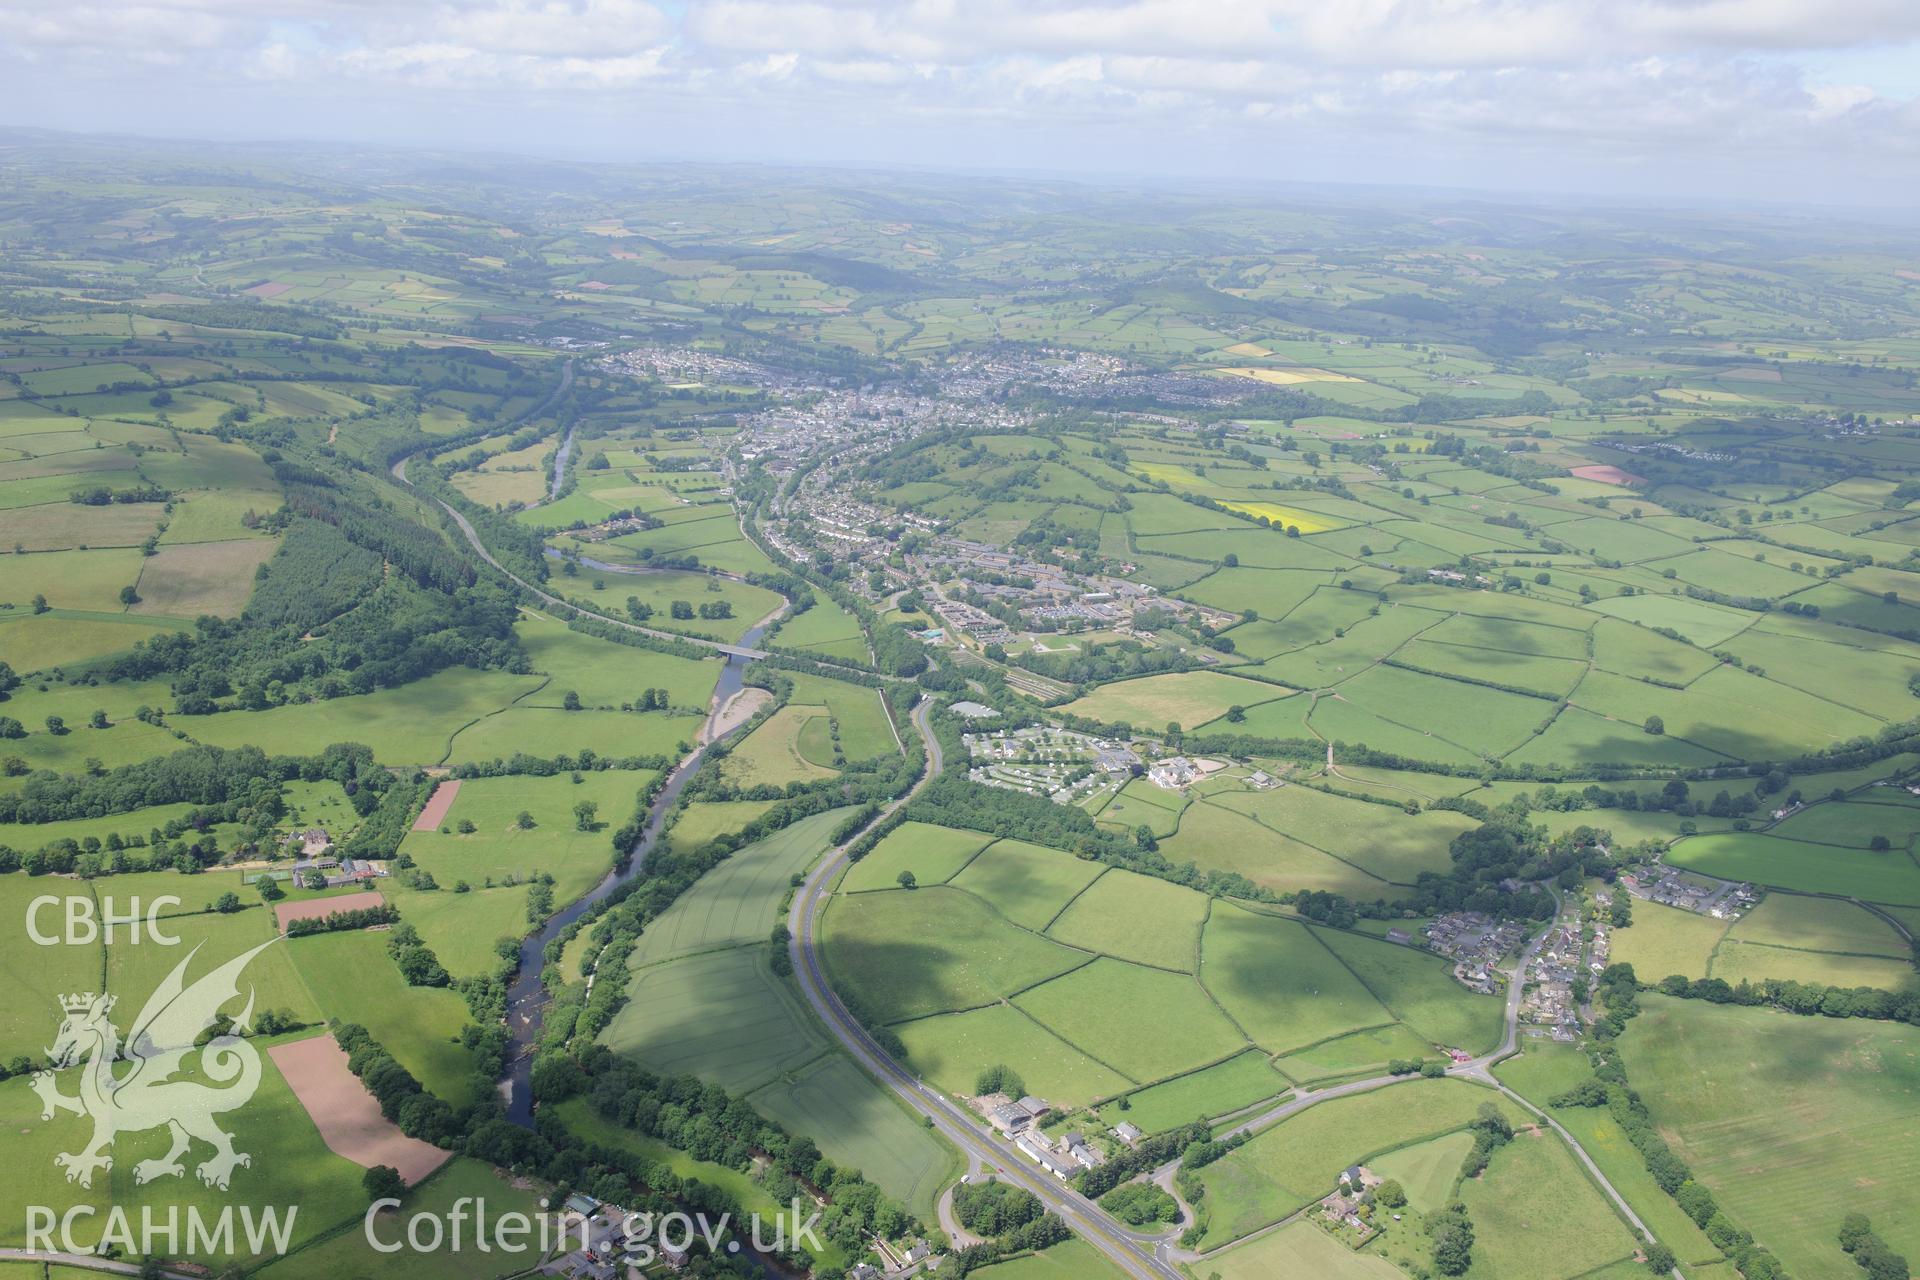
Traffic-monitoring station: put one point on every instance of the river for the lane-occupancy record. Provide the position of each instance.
(526, 995)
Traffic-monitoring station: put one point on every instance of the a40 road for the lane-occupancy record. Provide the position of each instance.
(1137, 1253)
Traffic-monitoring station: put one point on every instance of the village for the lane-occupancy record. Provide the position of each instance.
(1476, 943)
(1690, 891)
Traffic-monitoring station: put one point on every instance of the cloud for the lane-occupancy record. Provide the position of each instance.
(1455, 85)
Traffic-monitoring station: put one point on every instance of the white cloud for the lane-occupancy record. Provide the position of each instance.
(1479, 80)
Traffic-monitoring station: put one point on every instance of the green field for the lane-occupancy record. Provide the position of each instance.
(1217, 1090)
(1299, 1159)
(825, 629)
(950, 1051)
(413, 724)
(1839, 1099)
(499, 847)
(1029, 884)
(1188, 699)
(1554, 472)
(1278, 981)
(354, 980)
(1427, 1170)
(1665, 940)
(723, 1016)
(703, 821)
(1892, 876)
(1546, 1070)
(1396, 847)
(739, 900)
(933, 854)
(349, 1254)
(1419, 991)
(1105, 1007)
(1136, 918)
(904, 955)
(858, 1124)
(578, 1116)
(1536, 1214)
(1819, 924)
(1356, 1053)
(1298, 1249)
(1215, 838)
(292, 1166)
(781, 750)
(1069, 1260)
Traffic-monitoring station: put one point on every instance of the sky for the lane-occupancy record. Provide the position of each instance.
(1799, 101)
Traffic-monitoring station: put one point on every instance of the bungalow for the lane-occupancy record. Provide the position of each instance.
(1400, 936)
(1126, 1133)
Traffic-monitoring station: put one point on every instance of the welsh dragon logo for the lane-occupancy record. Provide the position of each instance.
(148, 1095)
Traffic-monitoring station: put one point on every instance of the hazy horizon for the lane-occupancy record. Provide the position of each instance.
(1656, 101)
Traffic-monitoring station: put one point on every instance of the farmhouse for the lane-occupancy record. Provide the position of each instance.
(1033, 1148)
(312, 842)
(1012, 1117)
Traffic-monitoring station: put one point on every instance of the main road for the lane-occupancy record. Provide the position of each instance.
(1133, 1254)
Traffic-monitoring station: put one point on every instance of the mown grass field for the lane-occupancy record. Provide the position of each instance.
(1427, 1171)
(1536, 1214)
(1666, 940)
(857, 1123)
(738, 901)
(1838, 1104)
(1187, 699)
(1546, 1070)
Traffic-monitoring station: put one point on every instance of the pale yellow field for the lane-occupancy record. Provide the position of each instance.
(1251, 350)
(1307, 521)
(1170, 473)
(1288, 377)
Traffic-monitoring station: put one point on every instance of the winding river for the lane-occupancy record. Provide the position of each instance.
(526, 995)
